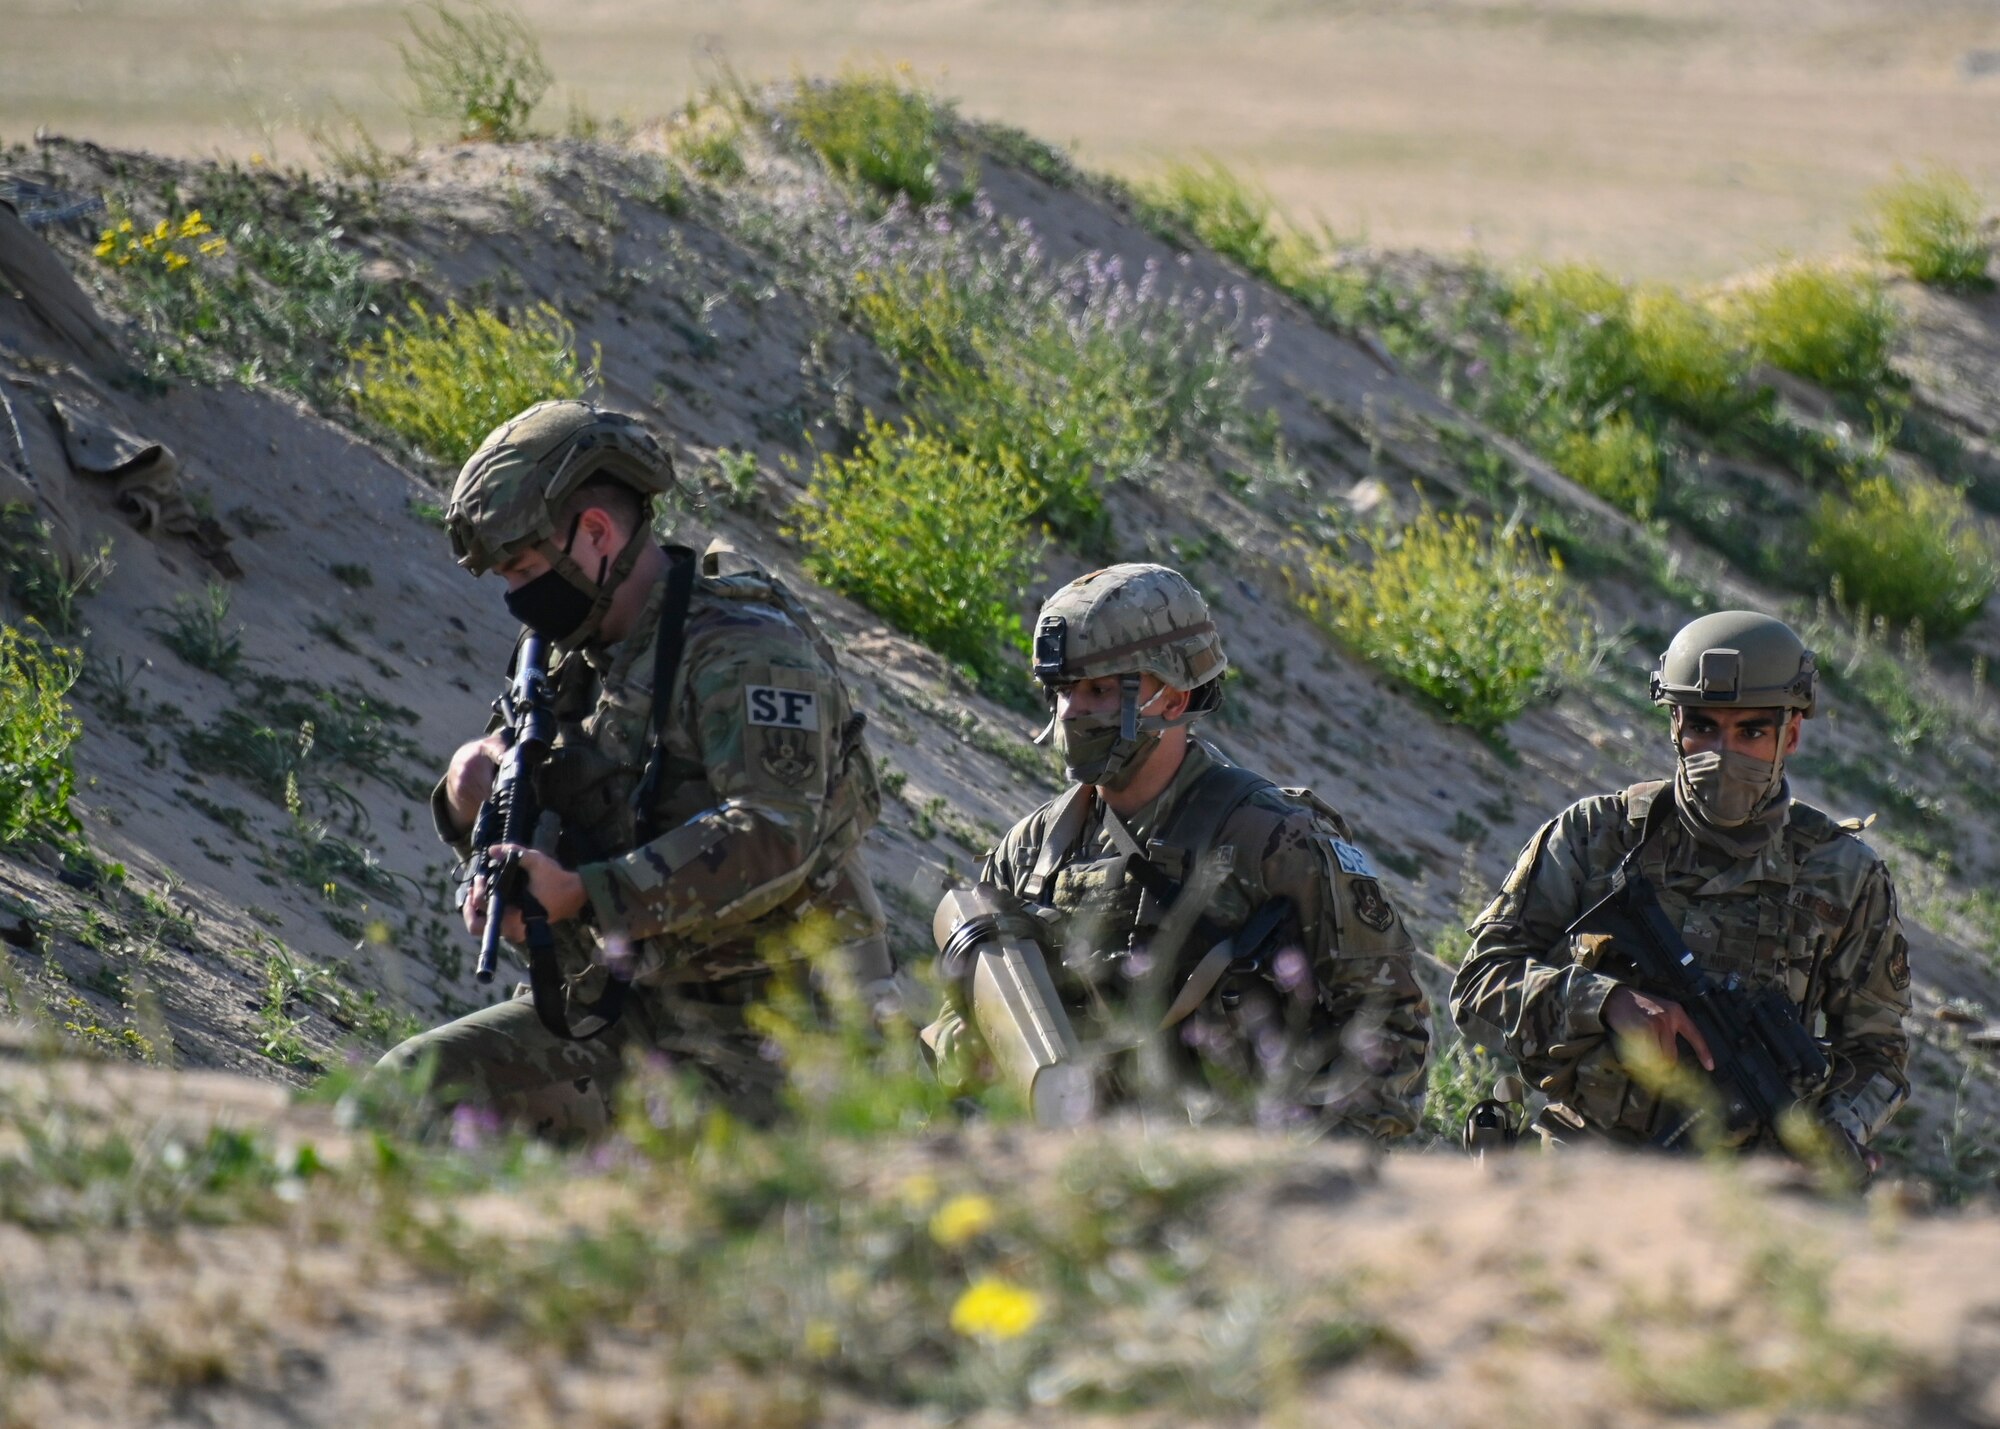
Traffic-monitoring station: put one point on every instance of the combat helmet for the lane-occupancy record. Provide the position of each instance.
(1737, 659)
(1124, 622)
(509, 493)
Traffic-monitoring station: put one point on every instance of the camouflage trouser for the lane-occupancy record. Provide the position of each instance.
(503, 1058)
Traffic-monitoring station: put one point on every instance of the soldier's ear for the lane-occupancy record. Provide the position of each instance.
(1795, 726)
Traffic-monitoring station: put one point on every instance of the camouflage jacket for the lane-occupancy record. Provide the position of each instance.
(765, 794)
(1813, 914)
(1331, 1019)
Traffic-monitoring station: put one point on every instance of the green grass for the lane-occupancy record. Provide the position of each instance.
(876, 128)
(1690, 361)
(934, 539)
(41, 582)
(37, 730)
(200, 632)
(1617, 459)
(709, 140)
(476, 67)
(442, 381)
(1475, 617)
(1828, 324)
(1930, 226)
(1910, 551)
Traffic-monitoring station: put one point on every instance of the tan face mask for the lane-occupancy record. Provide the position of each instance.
(1728, 788)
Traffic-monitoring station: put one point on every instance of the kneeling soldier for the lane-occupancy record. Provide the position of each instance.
(1758, 886)
(1218, 942)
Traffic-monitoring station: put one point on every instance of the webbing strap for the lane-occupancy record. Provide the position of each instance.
(1066, 823)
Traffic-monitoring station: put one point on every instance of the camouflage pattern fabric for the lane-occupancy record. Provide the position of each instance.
(1813, 913)
(765, 794)
(1333, 1027)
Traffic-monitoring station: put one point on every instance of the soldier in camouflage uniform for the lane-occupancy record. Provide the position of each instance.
(1759, 884)
(1220, 943)
(749, 846)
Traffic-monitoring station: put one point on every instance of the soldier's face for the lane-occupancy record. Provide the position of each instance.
(1756, 733)
(596, 541)
(1098, 697)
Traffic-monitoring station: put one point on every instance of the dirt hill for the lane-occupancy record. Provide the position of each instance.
(277, 669)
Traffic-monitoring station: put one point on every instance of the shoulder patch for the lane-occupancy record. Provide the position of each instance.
(1352, 860)
(777, 708)
(1369, 904)
(1899, 963)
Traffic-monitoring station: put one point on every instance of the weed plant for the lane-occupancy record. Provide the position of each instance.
(878, 129)
(39, 581)
(1910, 551)
(1475, 617)
(200, 632)
(442, 381)
(932, 538)
(1075, 373)
(37, 729)
(1930, 226)
(1617, 459)
(475, 66)
(256, 283)
(709, 140)
(1689, 361)
(1827, 324)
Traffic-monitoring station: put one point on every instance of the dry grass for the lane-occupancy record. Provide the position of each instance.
(1681, 139)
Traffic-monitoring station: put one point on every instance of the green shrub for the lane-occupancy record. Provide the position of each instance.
(1476, 618)
(709, 140)
(1074, 375)
(1617, 460)
(37, 729)
(1929, 225)
(1827, 324)
(875, 127)
(1690, 361)
(1237, 219)
(478, 68)
(930, 537)
(442, 381)
(1911, 553)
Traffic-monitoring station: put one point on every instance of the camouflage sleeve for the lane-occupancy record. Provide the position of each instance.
(1519, 988)
(1868, 995)
(1371, 1079)
(757, 707)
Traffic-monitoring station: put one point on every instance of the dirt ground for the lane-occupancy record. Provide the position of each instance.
(1684, 138)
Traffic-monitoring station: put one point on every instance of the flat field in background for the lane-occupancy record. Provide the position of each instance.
(1681, 138)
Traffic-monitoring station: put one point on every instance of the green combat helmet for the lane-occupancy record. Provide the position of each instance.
(509, 492)
(1734, 659)
(1125, 621)
(1737, 659)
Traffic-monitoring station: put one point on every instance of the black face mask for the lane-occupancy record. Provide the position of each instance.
(550, 606)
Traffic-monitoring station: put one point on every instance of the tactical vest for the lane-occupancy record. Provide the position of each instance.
(590, 783)
(1775, 930)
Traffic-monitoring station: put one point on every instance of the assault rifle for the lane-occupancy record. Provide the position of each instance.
(509, 814)
(1766, 1063)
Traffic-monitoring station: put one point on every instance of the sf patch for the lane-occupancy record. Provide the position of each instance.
(773, 707)
(1369, 904)
(1899, 963)
(1353, 861)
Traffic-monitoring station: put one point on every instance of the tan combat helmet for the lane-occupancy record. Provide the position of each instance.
(1737, 659)
(509, 493)
(1125, 622)
(1131, 619)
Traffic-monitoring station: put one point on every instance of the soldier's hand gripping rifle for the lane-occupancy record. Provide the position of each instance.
(510, 812)
(1767, 1065)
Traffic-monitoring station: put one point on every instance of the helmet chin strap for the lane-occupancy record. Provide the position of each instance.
(610, 575)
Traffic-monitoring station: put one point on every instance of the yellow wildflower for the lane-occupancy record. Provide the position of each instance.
(215, 246)
(126, 226)
(106, 245)
(960, 1219)
(918, 1192)
(995, 1309)
(174, 261)
(162, 231)
(821, 1339)
(193, 227)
